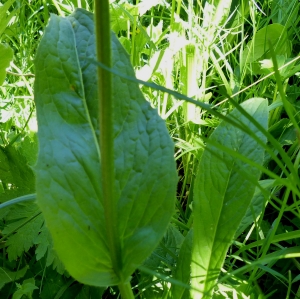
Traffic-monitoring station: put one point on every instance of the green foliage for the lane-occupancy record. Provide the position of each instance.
(5, 17)
(45, 246)
(7, 276)
(25, 289)
(6, 54)
(145, 179)
(182, 270)
(26, 221)
(167, 249)
(259, 47)
(256, 206)
(163, 259)
(224, 187)
(207, 50)
(16, 174)
(285, 12)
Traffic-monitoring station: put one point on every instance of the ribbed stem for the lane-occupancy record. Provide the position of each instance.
(106, 140)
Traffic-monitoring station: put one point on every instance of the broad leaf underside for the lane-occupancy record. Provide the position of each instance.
(68, 168)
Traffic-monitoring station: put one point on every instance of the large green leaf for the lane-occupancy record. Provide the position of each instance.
(224, 187)
(68, 168)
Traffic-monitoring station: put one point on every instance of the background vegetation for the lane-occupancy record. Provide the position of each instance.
(211, 51)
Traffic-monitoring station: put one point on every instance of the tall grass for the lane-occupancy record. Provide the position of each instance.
(207, 51)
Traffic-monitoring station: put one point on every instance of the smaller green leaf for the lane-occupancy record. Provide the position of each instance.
(45, 246)
(258, 47)
(26, 289)
(7, 276)
(167, 249)
(183, 270)
(297, 278)
(162, 259)
(15, 169)
(223, 189)
(43, 241)
(53, 285)
(121, 15)
(4, 17)
(6, 54)
(279, 127)
(25, 221)
(255, 207)
(5, 173)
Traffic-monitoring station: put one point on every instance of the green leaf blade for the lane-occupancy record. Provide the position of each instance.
(182, 271)
(68, 168)
(223, 192)
(7, 276)
(6, 54)
(65, 161)
(256, 206)
(83, 27)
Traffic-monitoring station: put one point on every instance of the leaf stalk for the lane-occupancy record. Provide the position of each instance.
(106, 139)
(125, 290)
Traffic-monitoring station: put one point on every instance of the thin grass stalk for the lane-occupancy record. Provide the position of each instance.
(290, 285)
(152, 14)
(60, 12)
(133, 34)
(276, 239)
(45, 12)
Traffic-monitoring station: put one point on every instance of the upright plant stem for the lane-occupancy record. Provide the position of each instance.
(103, 45)
(125, 290)
(106, 141)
